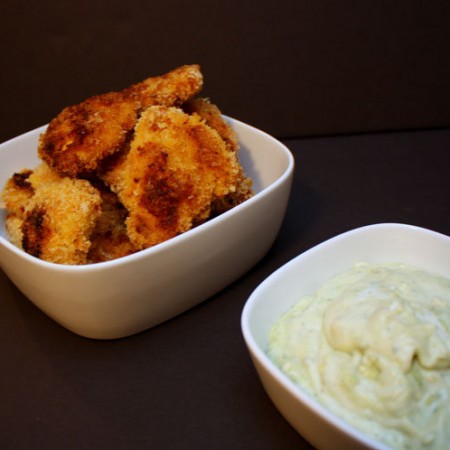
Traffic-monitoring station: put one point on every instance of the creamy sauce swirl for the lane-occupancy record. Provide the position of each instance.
(373, 346)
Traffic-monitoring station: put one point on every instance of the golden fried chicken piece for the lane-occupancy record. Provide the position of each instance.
(17, 192)
(82, 136)
(110, 240)
(158, 161)
(244, 191)
(171, 89)
(15, 196)
(176, 167)
(213, 117)
(13, 227)
(59, 217)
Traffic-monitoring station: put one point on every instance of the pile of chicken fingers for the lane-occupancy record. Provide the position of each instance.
(125, 171)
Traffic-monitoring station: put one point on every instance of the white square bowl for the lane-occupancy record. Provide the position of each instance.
(303, 275)
(124, 296)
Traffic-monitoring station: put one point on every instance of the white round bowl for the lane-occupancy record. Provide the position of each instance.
(124, 296)
(303, 275)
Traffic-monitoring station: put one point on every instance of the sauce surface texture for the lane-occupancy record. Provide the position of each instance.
(373, 346)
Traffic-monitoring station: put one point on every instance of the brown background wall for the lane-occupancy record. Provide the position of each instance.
(292, 68)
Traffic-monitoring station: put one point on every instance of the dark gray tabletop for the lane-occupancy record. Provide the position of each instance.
(189, 383)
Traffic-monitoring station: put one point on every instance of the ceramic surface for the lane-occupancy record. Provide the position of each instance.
(379, 243)
(121, 297)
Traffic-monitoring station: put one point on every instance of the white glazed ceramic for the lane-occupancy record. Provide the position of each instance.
(121, 297)
(303, 275)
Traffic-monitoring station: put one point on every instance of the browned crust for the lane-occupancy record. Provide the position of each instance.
(60, 217)
(110, 240)
(17, 192)
(36, 231)
(176, 167)
(212, 115)
(171, 89)
(158, 161)
(83, 135)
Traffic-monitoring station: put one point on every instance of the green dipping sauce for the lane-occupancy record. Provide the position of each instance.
(373, 346)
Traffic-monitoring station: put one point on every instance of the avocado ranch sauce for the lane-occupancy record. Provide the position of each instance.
(373, 346)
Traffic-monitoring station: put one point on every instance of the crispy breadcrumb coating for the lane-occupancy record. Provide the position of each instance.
(171, 89)
(213, 117)
(59, 218)
(79, 138)
(15, 196)
(13, 227)
(110, 240)
(17, 192)
(126, 170)
(176, 167)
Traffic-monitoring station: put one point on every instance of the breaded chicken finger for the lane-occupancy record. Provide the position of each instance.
(213, 117)
(176, 167)
(79, 138)
(60, 217)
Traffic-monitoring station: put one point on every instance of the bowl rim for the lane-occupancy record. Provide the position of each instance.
(163, 246)
(296, 390)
